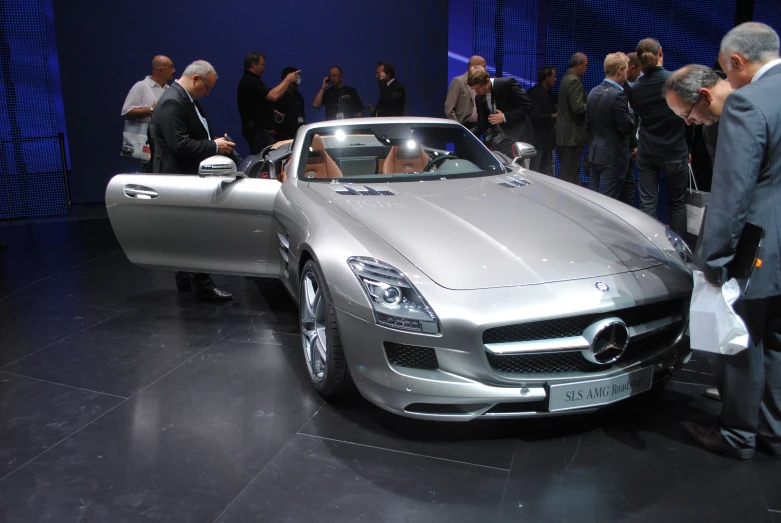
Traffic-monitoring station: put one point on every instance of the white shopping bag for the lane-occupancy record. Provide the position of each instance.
(713, 324)
(696, 203)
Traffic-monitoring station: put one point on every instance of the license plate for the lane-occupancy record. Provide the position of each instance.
(600, 392)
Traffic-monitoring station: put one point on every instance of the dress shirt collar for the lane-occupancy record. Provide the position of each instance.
(765, 68)
(608, 80)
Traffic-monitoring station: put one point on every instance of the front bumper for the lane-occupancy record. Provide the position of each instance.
(465, 386)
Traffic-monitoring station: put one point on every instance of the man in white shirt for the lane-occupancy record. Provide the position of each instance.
(143, 96)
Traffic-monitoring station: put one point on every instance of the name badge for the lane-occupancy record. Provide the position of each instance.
(300, 119)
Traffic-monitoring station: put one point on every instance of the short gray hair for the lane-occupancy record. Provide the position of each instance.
(200, 67)
(687, 82)
(756, 42)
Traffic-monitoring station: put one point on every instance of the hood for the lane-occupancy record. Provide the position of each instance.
(485, 232)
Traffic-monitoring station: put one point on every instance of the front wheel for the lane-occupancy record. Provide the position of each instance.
(320, 335)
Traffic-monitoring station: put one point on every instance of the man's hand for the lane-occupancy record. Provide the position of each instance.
(554, 115)
(325, 84)
(292, 77)
(372, 110)
(634, 153)
(224, 146)
(497, 118)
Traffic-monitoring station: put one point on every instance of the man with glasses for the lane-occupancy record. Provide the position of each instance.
(340, 101)
(183, 139)
(143, 96)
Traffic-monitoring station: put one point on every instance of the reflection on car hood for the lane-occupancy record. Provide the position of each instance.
(473, 233)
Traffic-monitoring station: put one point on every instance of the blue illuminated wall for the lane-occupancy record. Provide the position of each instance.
(768, 12)
(105, 47)
(32, 182)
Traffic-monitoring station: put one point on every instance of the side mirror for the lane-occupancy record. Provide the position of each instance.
(217, 166)
(523, 152)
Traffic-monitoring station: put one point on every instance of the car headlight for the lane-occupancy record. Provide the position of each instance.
(396, 302)
(680, 248)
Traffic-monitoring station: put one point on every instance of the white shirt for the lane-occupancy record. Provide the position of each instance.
(489, 99)
(201, 118)
(765, 68)
(144, 93)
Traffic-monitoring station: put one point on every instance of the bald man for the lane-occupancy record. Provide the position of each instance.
(460, 101)
(143, 96)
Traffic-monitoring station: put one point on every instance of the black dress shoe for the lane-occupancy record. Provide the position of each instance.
(214, 295)
(183, 285)
(711, 439)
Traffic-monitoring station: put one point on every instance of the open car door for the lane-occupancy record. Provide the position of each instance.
(214, 224)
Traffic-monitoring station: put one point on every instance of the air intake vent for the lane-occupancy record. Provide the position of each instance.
(366, 191)
(411, 356)
(512, 182)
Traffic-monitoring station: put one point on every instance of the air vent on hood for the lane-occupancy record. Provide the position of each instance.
(512, 182)
(366, 191)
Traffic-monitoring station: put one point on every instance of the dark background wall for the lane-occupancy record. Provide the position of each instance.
(105, 47)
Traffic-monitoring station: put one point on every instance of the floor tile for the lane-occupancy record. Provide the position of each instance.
(321, 480)
(353, 419)
(638, 466)
(130, 351)
(181, 450)
(30, 324)
(36, 415)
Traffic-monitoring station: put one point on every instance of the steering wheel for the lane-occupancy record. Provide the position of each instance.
(438, 159)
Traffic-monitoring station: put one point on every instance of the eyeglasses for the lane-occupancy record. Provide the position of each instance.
(208, 89)
(686, 116)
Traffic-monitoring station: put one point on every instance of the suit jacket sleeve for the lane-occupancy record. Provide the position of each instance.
(622, 117)
(576, 94)
(172, 124)
(453, 92)
(520, 102)
(739, 157)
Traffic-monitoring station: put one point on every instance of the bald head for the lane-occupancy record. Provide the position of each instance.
(162, 69)
(475, 61)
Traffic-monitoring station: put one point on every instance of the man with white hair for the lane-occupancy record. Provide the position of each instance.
(747, 189)
(183, 139)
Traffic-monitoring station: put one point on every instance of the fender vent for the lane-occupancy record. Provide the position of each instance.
(366, 191)
(512, 182)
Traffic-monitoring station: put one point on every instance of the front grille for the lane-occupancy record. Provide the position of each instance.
(575, 325)
(411, 356)
(562, 362)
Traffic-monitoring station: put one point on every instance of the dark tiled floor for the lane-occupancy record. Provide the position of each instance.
(122, 400)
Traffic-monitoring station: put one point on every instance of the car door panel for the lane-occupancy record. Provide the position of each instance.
(216, 224)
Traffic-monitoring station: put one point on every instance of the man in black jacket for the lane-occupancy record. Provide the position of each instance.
(503, 109)
(392, 94)
(610, 123)
(183, 139)
(662, 139)
(543, 118)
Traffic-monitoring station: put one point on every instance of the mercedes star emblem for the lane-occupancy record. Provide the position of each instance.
(602, 286)
(607, 340)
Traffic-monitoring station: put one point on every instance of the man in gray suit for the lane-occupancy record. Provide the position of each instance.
(460, 102)
(571, 134)
(747, 188)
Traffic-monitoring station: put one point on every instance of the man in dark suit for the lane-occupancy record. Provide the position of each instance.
(630, 184)
(543, 118)
(392, 93)
(503, 109)
(610, 123)
(747, 188)
(571, 134)
(183, 139)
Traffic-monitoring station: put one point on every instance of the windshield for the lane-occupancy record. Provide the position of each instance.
(388, 152)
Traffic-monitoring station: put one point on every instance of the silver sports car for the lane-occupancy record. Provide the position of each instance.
(439, 279)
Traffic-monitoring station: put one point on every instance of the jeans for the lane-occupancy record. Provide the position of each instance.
(676, 173)
(542, 162)
(608, 180)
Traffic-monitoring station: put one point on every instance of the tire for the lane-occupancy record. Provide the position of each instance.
(323, 354)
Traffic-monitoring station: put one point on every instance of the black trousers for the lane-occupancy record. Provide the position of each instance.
(258, 139)
(569, 158)
(542, 162)
(202, 282)
(630, 185)
(751, 388)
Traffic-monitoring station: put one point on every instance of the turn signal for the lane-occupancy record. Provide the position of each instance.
(757, 263)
